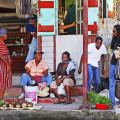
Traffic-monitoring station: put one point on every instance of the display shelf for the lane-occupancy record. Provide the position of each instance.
(17, 43)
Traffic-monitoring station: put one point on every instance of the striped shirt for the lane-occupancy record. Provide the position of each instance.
(3, 48)
(5, 78)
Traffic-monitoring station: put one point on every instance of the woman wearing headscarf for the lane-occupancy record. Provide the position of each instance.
(5, 68)
(65, 75)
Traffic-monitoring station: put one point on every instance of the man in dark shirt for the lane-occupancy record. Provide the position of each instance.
(115, 45)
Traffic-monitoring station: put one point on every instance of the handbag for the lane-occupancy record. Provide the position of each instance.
(117, 71)
(61, 90)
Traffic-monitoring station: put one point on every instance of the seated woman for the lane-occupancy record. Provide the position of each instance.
(66, 70)
(36, 71)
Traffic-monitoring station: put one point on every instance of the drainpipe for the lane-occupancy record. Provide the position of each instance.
(85, 49)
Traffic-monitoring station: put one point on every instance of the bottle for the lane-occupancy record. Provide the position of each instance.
(21, 40)
(21, 29)
(22, 52)
(24, 29)
(18, 53)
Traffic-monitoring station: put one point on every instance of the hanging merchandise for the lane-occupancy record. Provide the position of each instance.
(30, 24)
(25, 7)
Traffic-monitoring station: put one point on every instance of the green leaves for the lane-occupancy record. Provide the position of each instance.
(1, 102)
(94, 98)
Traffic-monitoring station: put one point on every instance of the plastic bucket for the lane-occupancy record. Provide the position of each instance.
(101, 106)
(31, 94)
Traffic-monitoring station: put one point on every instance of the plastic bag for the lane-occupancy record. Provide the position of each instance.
(61, 90)
(117, 71)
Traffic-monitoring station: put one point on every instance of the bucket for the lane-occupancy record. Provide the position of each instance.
(31, 94)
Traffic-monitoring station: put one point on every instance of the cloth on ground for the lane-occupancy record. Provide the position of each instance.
(106, 94)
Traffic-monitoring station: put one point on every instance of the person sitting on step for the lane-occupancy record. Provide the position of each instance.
(64, 75)
(36, 72)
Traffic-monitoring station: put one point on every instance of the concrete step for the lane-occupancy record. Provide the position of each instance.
(14, 92)
(45, 100)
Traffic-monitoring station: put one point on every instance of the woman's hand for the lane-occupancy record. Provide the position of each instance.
(8, 68)
(59, 82)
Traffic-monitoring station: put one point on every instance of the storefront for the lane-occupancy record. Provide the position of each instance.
(14, 18)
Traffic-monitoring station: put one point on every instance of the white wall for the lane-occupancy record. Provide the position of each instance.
(74, 45)
(47, 48)
(71, 43)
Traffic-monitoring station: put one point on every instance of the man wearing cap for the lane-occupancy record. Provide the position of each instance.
(36, 71)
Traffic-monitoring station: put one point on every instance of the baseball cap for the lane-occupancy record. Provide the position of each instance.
(38, 51)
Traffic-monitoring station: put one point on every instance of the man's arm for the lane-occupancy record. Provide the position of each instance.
(66, 26)
(28, 72)
(102, 60)
(80, 66)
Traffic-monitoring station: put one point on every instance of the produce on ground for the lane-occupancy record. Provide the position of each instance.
(18, 104)
(1, 103)
(94, 98)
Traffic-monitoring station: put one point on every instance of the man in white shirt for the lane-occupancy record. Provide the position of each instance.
(95, 52)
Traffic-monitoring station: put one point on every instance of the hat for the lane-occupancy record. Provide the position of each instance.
(44, 92)
(38, 51)
(3, 31)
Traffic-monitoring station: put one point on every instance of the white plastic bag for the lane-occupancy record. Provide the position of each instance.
(61, 90)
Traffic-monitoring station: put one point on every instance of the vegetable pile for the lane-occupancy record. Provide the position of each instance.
(16, 104)
(1, 103)
(94, 98)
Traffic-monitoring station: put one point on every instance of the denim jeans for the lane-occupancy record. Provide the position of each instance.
(32, 48)
(25, 78)
(93, 73)
(112, 83)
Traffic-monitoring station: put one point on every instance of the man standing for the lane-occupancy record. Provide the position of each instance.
(95, 52)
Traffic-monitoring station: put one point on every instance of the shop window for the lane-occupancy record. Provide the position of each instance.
(70, 11)
(79, 16)
(102, 8)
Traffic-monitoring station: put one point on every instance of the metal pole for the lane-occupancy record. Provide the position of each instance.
(54, 49)
(85, 49)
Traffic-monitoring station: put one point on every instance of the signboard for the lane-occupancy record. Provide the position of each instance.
(47, 17)
(92, 17)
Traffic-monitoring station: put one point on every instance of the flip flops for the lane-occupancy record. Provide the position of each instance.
(67, 102)
(59, 102)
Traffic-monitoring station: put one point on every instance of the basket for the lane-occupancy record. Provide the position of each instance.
(101, 106)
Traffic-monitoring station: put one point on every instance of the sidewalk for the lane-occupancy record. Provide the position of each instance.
(51, 111)
(59, 112)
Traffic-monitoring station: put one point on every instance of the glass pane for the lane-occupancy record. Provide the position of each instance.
(81, 28)
(78, 15)
(81, 14)
(81, 3)
(78, 28)
(78, 3)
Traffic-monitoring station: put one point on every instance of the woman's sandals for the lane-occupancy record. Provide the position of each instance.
(67, 102)
(59, 101)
